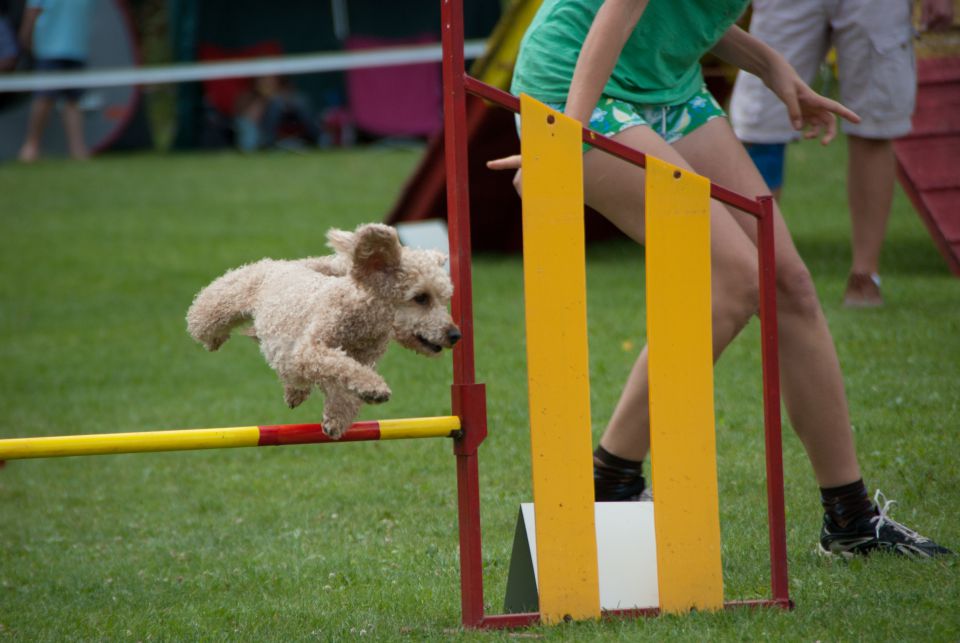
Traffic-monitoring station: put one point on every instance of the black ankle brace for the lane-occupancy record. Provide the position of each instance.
(847, 504)
(616, 478)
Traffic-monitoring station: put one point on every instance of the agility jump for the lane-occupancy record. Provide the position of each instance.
(670, 192)
(679, 352)
(683, 450)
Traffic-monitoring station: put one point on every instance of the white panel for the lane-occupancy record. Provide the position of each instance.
(626, 549)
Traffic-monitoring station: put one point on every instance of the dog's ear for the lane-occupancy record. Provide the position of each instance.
(340, 241)
(376, 248)
(439, 257)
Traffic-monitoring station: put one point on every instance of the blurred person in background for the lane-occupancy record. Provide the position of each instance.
(57, 33)
(878, 80)
(9, 51)
(274, 114)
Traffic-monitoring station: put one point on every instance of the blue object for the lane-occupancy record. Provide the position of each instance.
(62, 30)
(769, 159)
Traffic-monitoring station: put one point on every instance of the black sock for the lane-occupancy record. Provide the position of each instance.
(616, 478)
(847, 504)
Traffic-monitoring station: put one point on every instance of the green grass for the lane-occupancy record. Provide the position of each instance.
(100, 261)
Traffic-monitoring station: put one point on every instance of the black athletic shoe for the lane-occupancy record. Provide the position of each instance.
(876, 533)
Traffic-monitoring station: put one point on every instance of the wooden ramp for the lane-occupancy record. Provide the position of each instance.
(928, 159)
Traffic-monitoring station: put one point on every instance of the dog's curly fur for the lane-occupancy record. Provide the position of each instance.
(325, 321)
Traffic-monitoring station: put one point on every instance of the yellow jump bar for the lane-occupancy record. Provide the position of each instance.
(224, 438)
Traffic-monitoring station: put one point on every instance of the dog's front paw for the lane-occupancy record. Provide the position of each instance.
(294, 397)
(334, 430)
(377, 395)
(214, 343)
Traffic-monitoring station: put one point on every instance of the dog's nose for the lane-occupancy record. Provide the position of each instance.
(453, 335)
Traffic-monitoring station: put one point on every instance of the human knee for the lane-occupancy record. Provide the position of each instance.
(748, 298)
(796, 293)
(737, 295)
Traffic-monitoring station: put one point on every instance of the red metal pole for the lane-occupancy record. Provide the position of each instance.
(458, 192)
(468, 398)
(776, 512)
(471, 557)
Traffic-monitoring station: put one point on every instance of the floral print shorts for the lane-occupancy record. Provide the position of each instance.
(672, 122)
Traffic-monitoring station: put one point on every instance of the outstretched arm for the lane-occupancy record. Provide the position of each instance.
(613, 24)
(808, 110)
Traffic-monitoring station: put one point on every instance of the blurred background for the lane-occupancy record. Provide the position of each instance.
(379, 103)
(347, 106)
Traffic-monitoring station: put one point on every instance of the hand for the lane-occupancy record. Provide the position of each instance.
(936, 15)
(810, 112)
(509, 163)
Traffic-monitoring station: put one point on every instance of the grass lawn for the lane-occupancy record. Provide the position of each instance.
(99, 262)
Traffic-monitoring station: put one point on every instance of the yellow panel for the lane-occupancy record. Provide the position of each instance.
(184, 440)
(683, 442)
(557, 368)
(431, 427)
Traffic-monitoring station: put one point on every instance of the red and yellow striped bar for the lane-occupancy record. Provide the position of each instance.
(225, 438)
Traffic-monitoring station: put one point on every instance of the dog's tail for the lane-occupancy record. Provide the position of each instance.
(224, 304)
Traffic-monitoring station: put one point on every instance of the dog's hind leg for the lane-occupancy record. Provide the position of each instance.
(223, 305)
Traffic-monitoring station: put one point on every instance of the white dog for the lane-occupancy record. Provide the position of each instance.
(325, 321)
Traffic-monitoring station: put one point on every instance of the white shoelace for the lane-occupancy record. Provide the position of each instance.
(882, 518)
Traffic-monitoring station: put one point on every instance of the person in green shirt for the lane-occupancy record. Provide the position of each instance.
(630, 69)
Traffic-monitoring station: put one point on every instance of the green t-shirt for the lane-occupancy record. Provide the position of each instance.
(660, 62)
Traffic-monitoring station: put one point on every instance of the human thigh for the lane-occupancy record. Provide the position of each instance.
(616, 189)
(715, 152)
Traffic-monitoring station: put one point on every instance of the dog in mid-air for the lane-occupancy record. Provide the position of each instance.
(325, 322)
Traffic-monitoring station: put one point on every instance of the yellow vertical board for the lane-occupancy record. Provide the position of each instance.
(680, 353)
(557, 367)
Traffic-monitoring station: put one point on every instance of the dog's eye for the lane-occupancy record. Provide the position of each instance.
(423, 299)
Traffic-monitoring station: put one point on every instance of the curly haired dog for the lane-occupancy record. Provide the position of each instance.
(325, 321)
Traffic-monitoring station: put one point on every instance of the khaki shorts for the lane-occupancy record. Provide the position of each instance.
(875, 64)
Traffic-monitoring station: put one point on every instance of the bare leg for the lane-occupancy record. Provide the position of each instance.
(39, 115)
(616, 189)
(73, 126)
(812, 384)
(813, 387)
(735, 300)
(871, 174)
